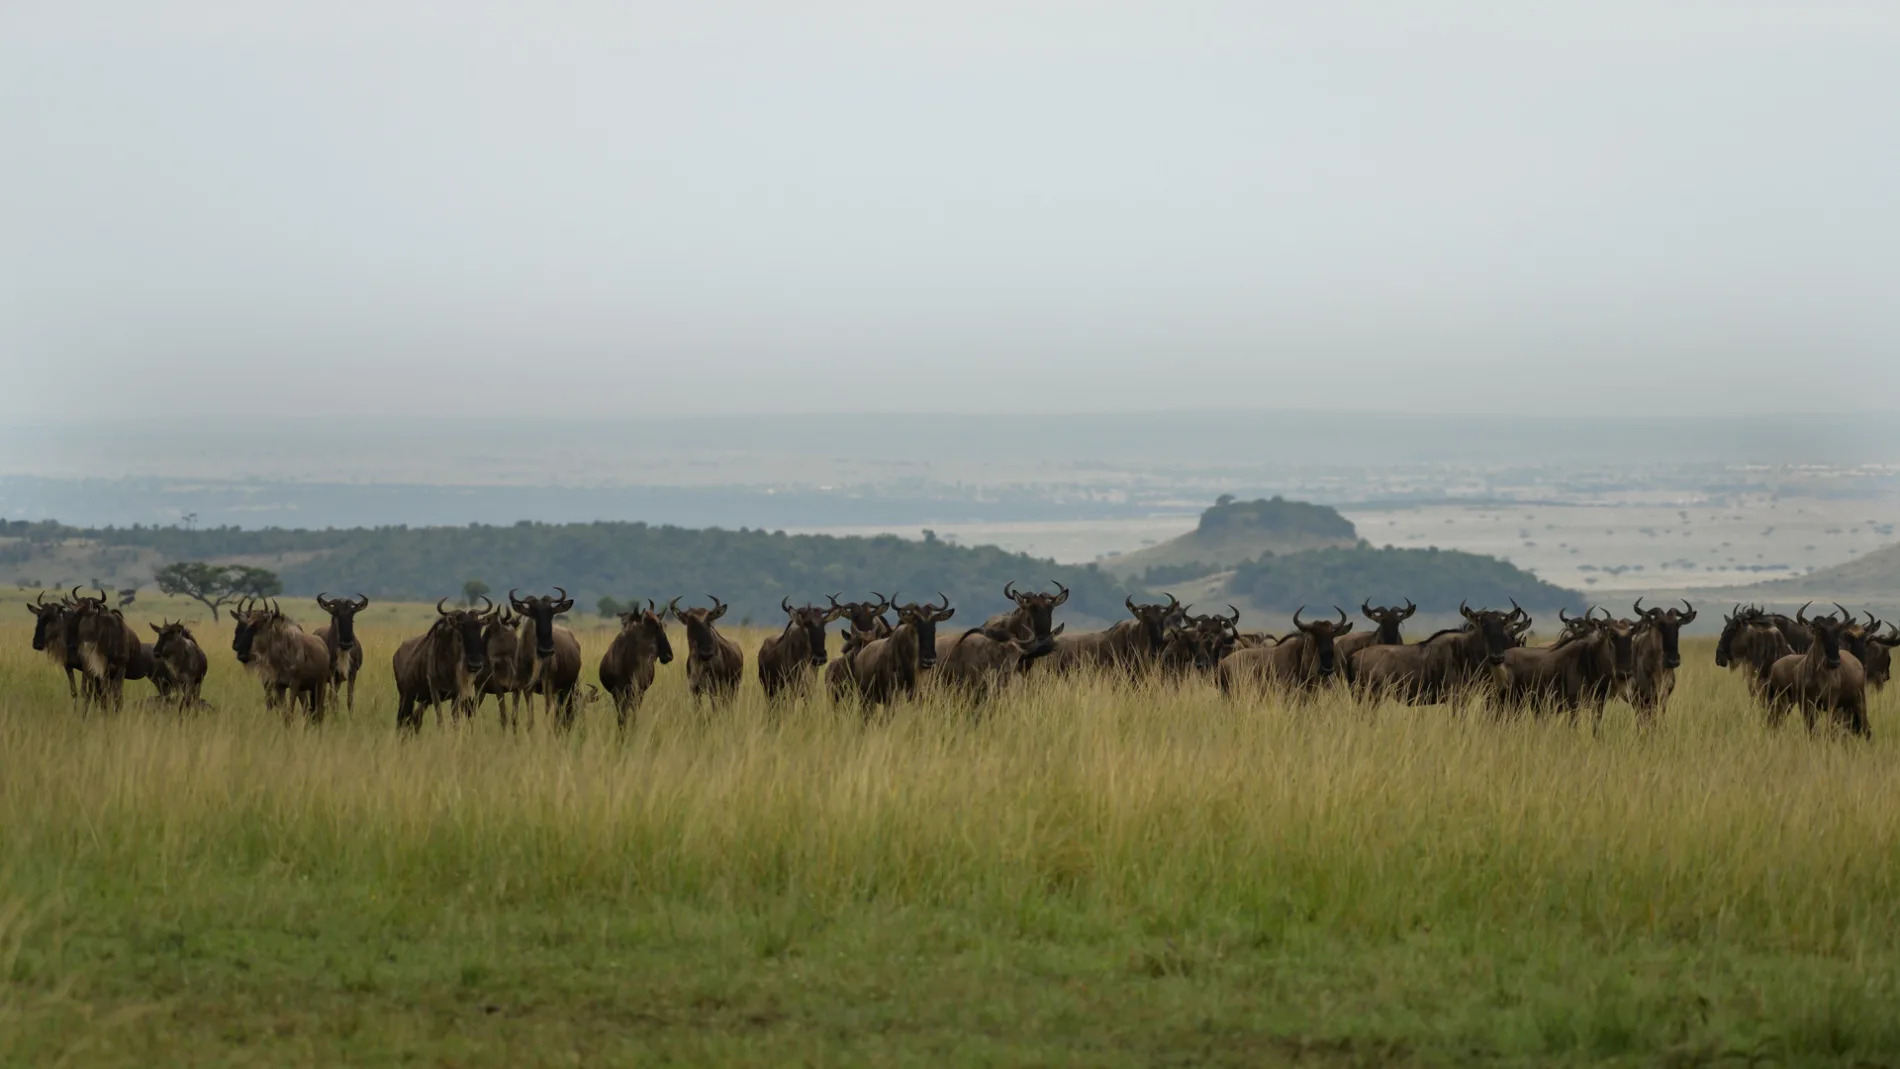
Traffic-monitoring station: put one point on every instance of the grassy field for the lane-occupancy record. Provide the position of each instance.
(1086, 875)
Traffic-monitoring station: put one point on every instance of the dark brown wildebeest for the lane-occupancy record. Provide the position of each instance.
(982, 661)
(1438, 668)
(714, 663)
(1388, 618)
(1826, 679)
(291, 664)
(443, 664)
(503, 674)
(339, 637)
(628, 667)
(49, 637)
(887, 668)
(1031, 619)
(841, 675)
(103, 648)
(178, 665)
(1869, 647)
(1126, 648)
(549, 660)
(1198, 644)
(1658, 655)
(1798, 637)
(1578, 669)
(786, 659)
(1750, 643)
(864, 615)
(1303, 660)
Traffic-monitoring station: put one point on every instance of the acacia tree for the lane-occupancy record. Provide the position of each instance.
(216, 584)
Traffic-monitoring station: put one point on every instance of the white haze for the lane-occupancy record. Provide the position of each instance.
(625, 209)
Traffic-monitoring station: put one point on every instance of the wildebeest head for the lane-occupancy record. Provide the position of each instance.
(1517, 624)
(924, 619)
(1039, 609)
(812, 620)
(246, 621)
(1732, 625)
(173, 638)
(1493, 628)
(1826, 631)
(649, 621)
(1322, 633)
(467, 627)
(542, 610)
(701, 637)
(1388, 618)
(1621, 635)
(82, 614)
(48, 620)
(1667, 624)
(1153, 618)
(862, 615)
(343, 618)
(1879, 660)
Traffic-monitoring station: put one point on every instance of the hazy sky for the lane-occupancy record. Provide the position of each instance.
(632, 208)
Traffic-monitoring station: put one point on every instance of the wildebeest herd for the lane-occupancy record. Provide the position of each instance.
(518, 653)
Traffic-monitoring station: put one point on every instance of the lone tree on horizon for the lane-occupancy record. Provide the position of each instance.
(216, 584)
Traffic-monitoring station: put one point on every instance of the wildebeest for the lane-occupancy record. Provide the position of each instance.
(504, 674)
(787, 658)
(1750, 643)
(1825, 679)
(1437, 668)
(444, 664)
(100, 645)
(1388, 618)
(49, 637)
(548, 661)
(291, 664)
(1578, 669)
(339, 637)
(1305, 659)
(864, 615)
(714, 663)
(1658, 653)
(887, 668)
(1198, 644)
(1871, 648)
(1127, 647)
(981, 661)
(627, 668)
(1031, 619)
(178, 664)
(841, 675)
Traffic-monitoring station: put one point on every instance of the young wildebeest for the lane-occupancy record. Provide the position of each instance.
(1825, 679)
(982, 661)
(786, 659)
(714, 663)
(627, 668)
(554, 668)
(291, 665)
(1388, 619)
(1652, 678)
(1436, 669)
(502, 676)
(887, 668)
(49, 637)
(1127, 647)
(178, 665)
(1305, 659)
(339, 638)
(444, 664)
(841, 675)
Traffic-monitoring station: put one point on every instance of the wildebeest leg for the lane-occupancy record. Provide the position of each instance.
(350, 701)
(407, 718)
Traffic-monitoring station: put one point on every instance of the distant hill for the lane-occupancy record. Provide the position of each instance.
(1436, 580)
(751, 569)
(1871, 581)
(1233, 532)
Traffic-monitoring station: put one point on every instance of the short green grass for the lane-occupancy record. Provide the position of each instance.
(1086, 874)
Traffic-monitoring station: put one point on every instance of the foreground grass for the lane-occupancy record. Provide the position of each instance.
(1087, 874)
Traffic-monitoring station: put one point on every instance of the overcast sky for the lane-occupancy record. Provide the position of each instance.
(629, 208)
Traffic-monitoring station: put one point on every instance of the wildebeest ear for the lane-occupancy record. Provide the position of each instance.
(156, 630)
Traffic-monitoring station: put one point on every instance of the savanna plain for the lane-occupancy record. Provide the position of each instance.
(1086, 872)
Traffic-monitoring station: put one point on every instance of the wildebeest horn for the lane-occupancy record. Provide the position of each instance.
(1296, 617)
(1062, 592)
(1409, 608)
(1569, 619)
(439, 610)
(1518, 610)
(40, 598)
(75, 594)
(275, 609)
(322, 604)
(514, 599)
(1463, 609)
(1365, 606)
(674, 606)
(1129, 601)
(1009, 590)
(1800, 614)
(943, 597)
(1689, 613)
(1637, 607)
(1236, 612)
(1342, 615)
(785, 602)
(1173, 602)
